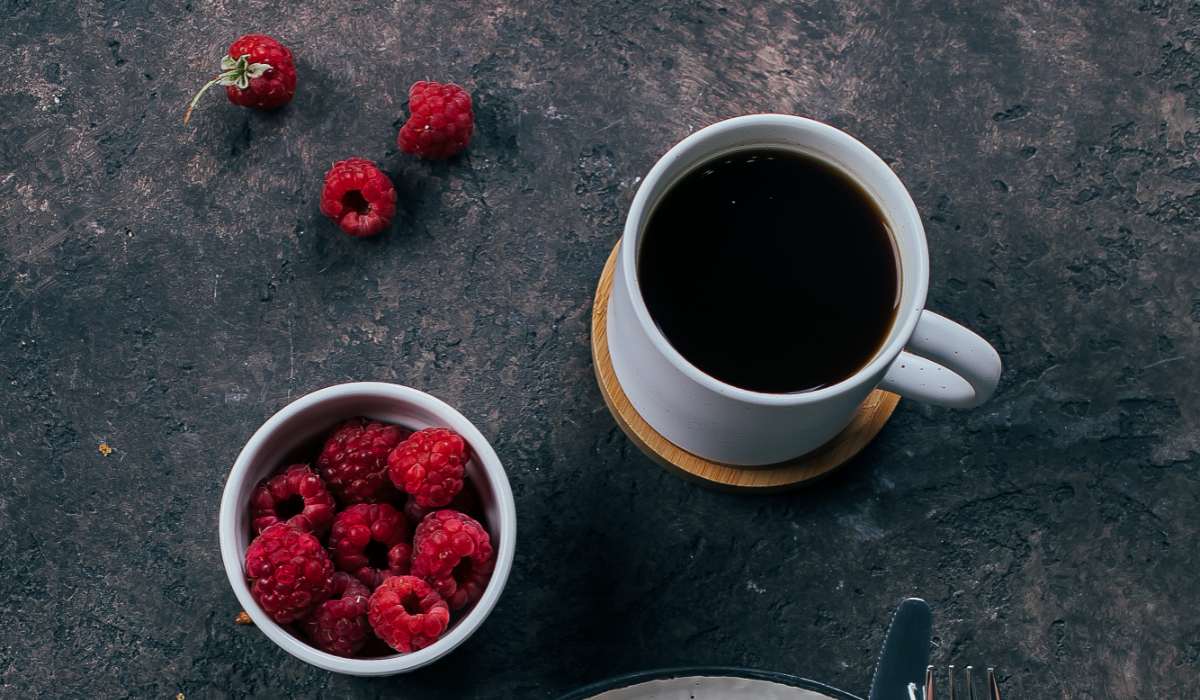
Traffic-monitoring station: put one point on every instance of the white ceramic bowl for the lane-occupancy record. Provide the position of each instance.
(300, 426)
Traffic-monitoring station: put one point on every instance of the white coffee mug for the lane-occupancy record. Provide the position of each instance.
(925, 357)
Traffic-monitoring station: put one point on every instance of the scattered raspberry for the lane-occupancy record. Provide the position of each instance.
(441, 120)
(353, 461)
(359, 197)
(339, 626)
(429, 466)
(453, 552)
(258, 72)
(370, 542)
(467, 501)
(290, 573)
(295, 495)
(407, 613)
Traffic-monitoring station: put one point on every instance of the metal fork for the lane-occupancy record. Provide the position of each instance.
(929, 692)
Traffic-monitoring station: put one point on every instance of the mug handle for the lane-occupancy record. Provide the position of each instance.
(948, 365)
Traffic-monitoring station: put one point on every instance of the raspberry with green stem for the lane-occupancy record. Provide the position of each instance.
(258, 72)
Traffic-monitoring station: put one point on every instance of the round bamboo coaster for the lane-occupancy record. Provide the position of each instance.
(866, 424)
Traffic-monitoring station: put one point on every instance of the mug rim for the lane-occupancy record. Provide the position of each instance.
(907, 315)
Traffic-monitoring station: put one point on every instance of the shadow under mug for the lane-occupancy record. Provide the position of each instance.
(926, 357)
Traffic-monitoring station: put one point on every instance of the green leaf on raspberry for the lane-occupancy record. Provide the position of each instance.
(241, 71)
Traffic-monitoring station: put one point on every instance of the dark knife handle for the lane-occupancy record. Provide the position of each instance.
(905, 653)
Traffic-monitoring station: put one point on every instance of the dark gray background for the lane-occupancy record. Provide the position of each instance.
(165, 289)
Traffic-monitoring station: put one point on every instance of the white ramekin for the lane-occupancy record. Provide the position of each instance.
(299, 426)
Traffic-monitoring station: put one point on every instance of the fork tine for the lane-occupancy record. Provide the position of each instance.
(992, 691)
(929, 691)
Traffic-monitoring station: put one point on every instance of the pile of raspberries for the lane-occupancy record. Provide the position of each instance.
(372, 544)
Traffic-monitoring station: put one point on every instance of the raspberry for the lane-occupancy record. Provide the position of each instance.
(359, 197)
(440, 122)
(257, 72)
(467, 501)
(290, 573)
(353, 461)
(295, 495)
(453, 552)
(370, 542)
(273, 87)
(339, 625)
(407, 613)
(429, 466)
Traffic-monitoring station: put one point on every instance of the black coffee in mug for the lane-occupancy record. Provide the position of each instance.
(770, 270)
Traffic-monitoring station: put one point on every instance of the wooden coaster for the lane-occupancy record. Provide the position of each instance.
(866, 424)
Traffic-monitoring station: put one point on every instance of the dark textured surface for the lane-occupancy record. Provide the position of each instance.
(165, 289)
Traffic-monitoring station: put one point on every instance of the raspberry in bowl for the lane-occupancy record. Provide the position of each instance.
(315, 520)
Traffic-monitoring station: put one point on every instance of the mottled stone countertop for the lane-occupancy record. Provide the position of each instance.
(164, 289)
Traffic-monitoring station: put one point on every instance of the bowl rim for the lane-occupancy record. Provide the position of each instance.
(628, 680)
(232, 554)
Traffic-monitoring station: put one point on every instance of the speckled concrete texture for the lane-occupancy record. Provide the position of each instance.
(164, 289)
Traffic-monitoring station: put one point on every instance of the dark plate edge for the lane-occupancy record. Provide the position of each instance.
(626, 680)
